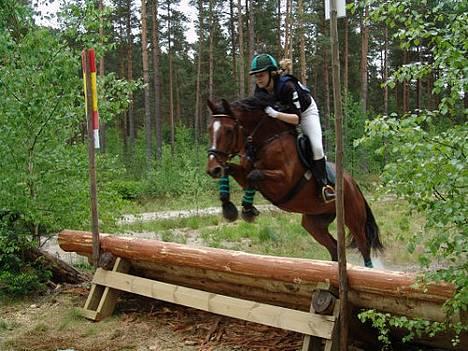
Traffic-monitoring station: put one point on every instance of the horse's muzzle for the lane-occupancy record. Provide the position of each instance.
(215, 172)
(214, 168)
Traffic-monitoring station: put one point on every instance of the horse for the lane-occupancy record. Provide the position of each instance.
(269, 162)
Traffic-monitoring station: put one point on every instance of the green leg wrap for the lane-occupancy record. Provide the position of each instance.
(224, 188)
(248, 197)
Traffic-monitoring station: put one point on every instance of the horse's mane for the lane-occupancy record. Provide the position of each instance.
(253, 103)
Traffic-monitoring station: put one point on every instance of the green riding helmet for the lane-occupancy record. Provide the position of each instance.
(263, 62)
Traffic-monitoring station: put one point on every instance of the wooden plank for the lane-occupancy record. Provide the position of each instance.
(274, 316)
(92, 315)
(94, 297)
(101, 300)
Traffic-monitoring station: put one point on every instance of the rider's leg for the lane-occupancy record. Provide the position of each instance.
(310, 122)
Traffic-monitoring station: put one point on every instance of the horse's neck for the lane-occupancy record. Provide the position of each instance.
(268, 129)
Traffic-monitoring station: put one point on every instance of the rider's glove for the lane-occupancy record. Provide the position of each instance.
(270, 111)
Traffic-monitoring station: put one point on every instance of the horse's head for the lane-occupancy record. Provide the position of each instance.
(226, 138)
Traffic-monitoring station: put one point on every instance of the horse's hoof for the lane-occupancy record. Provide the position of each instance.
(249, 214)
(230, 211)
(255, 176)
(368, 263)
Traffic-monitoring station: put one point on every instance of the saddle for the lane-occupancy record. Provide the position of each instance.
(304, 151)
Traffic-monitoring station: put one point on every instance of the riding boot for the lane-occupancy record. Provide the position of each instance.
(320, 173)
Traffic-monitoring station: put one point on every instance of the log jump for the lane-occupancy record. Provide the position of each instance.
(279, 281)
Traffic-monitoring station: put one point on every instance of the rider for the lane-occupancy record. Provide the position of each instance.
(294, 98)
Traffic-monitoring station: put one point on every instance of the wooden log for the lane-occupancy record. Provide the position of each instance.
(61, 271)
(281, 281)
(387, 291)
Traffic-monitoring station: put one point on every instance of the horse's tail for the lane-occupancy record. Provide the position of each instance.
(371, 228)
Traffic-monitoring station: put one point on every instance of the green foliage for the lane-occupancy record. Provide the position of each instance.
(182, 172)
(81, 24)
(18, 277)
(426, 151)
(43, 171)
(356, 157)
(415, 328)
(441, 27)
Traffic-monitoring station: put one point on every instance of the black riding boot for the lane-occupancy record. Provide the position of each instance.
(320, 173)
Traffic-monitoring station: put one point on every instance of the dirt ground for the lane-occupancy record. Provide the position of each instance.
(52, 322)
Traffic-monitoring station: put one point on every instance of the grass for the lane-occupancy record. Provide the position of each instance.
(281, 234)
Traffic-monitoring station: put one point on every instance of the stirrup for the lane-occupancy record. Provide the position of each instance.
(326, 195)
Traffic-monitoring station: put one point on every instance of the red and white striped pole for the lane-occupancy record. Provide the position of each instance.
(95, 113)
(89, 83)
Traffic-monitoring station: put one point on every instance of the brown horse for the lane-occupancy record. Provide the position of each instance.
(269, 162)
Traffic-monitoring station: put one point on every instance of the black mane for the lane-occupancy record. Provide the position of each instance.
(253, 103)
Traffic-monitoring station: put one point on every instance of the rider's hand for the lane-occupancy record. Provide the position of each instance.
(270, 111)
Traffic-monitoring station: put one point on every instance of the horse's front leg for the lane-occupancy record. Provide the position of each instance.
(238, 172)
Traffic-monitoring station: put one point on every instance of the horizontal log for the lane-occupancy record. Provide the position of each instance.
(281, 281)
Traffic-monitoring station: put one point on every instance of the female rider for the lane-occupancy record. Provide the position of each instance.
(300, 106)
(288, 92)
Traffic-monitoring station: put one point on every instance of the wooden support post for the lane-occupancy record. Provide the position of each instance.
(324, 302)
(102, 299)
(340, 215)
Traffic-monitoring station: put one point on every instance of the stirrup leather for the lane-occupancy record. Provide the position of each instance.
(324, 194)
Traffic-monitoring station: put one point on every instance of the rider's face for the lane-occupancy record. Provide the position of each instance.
(263, 79)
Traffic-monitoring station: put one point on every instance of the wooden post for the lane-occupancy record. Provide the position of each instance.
(343, 284)
(85, 59)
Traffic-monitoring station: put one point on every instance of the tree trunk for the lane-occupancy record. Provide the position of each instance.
(130, 114)
(102, 123)
(171, 90)
(156, 77)
(241, 50)
(302, 58)
(144, 53)
(287, 31)
(405, 86)
(233, 45)
(61, 271)
(251, 11)
(124, 117)
(210, 52)
(198, 90)
(346, 61)
(364, 63)
(385, 72)
(278, 32)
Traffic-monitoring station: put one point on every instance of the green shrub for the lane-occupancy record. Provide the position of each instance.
(18, 276)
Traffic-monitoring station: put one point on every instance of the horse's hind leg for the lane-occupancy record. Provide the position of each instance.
(355, 220)
(317, 226)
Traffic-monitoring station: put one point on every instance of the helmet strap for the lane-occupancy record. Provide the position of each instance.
(269, 78)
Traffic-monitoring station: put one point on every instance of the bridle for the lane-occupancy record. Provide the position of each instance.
(216, 153)
(248, 145)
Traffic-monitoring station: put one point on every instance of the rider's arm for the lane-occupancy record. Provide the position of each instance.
(288, 118)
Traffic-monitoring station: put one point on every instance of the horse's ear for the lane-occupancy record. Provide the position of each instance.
(211, 105)
(227, 107)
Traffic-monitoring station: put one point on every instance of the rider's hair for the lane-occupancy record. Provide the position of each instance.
(285, 66)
